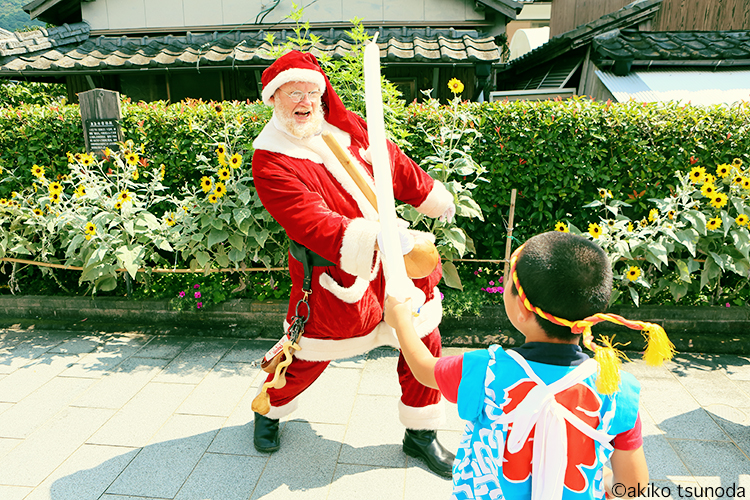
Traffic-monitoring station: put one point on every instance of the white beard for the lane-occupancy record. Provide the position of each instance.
(309, 129)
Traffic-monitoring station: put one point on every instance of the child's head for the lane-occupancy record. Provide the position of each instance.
(564, 275)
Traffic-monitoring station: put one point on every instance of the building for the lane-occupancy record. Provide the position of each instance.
(172, 49)
(645, 50)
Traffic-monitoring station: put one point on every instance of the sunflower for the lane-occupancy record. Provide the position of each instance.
(711, 179)
(653, 214)
(218, 108)
(70, 156)
(135, 174)
(162, 169)
(118, 205)
(223, 160)
(594, 230)
(741, 220)
(643, 222)
(3, 202)
(634, 273)
(223, 174)
(630, 227)
(602, 192)
(723, 170)
(718, 200)
(220, 189)
(456, 86)
(212, 198)
(611, 223)
(169, 219)
(221, 149)
(38, 212)
(87, 160)
(90, 228)
(697, 175)
(55, 197)
(562, 227)
(737, 163)
(37, 171)
(714, 223)
(80, 191)
(746, 183)
(131, 158)
(670, 214)
(236, 160)
(708, 190)
(55, 187)
(124, 196)
(737, 179)
(206, 184)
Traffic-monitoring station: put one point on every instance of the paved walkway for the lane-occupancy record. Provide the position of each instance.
(127, 416)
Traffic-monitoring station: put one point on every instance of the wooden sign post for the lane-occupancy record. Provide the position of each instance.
(100, 113)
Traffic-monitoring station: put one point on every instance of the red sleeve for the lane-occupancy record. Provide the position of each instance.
(629, 440)
(448, 376)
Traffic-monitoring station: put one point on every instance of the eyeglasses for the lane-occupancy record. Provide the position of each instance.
(298, 95)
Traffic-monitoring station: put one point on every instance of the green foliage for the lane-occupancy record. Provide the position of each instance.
(557, 154)
(17, 93)
(692, 241)
(451, 134)
(13, 17)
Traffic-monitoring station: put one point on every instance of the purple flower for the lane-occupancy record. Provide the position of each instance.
(501, 279)
(476, 273)
(728, 304)
(196, 285)
(442, 296)
(492, 283)
(501, 289)
(197, 295)
(199, 305)
(181, 294)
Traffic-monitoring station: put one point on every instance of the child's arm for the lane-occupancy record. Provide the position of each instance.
(421, 361)
(629, 471)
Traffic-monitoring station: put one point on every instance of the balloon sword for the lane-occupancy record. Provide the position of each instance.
(398, 284)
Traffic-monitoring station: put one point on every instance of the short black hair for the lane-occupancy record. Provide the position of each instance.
(564, 275)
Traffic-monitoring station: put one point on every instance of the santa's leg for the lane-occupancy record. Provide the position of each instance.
(421, 411)
(299, 376)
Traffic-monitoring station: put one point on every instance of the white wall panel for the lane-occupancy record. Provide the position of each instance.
(166, 13)
(126, 14)
(95, 13)
(201, 12)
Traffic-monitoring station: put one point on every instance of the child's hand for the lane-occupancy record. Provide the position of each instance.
(396, 312)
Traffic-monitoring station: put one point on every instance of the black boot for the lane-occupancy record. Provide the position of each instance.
(266, 434)
(424, 445)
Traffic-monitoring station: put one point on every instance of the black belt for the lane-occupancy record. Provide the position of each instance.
(309, 259)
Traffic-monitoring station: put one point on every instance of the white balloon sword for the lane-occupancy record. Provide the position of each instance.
(398, 284)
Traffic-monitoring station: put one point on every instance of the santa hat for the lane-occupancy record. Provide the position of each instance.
(296, 66)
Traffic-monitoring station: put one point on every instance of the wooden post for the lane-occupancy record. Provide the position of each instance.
(509, 237)
(100, 113)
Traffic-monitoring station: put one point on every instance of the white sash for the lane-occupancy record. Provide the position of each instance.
(550, 445)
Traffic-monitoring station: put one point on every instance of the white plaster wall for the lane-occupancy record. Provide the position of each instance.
(123, 14)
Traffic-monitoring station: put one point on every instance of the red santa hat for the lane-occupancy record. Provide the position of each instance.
(296, 66)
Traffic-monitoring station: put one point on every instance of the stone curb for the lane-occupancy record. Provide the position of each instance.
(718, 330)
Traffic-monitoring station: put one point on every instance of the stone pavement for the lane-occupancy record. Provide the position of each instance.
(130, 416)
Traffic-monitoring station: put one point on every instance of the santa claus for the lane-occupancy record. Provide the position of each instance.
(333, 226)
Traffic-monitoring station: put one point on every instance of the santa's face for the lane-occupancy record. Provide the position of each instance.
(301, 119)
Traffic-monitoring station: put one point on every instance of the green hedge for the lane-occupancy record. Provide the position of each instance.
(557, 154)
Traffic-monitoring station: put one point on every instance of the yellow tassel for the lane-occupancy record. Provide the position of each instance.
(658, 348)
(609, 359)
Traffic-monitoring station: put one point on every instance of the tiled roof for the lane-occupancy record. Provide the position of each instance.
(422, 45)
(28, 42)
(630, 15)
(683, 46)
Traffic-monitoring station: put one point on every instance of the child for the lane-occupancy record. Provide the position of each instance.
(543, 417)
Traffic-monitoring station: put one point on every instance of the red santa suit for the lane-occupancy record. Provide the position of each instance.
(307, 190)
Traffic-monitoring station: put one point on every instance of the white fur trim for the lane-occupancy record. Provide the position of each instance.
(292, 75)
(358, 247)
(278, 412)
(328, 350)
(426, 418)
(354, 293)
(429, 318)
(436, 202)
